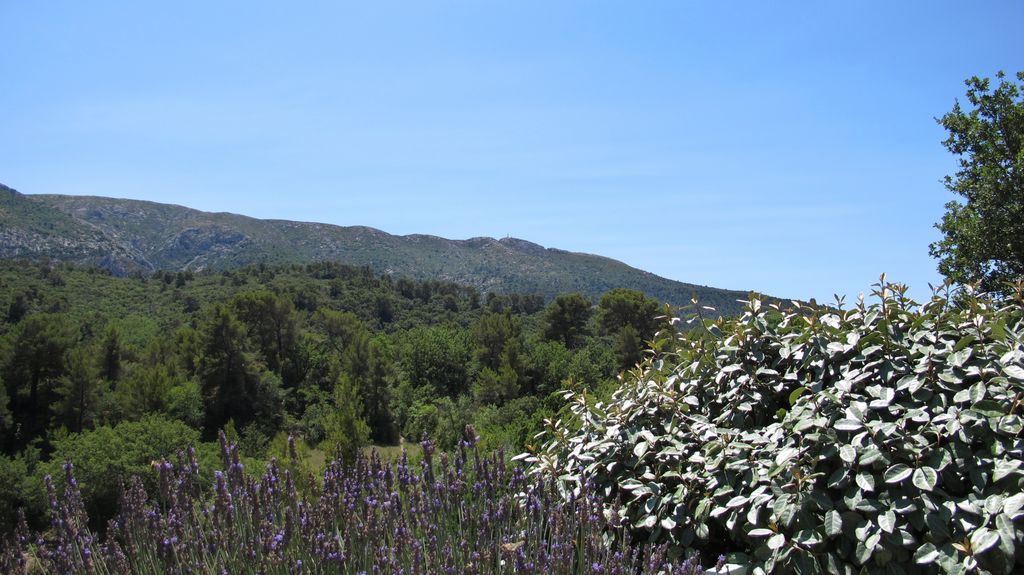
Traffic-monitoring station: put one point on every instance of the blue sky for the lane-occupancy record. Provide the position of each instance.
(788, 148)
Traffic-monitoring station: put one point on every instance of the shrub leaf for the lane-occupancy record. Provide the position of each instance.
(925, 478)
(897, 473)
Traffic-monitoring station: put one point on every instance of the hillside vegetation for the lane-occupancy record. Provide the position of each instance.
(114, 372)
(129, 236)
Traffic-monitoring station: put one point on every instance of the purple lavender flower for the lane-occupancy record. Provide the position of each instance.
(463, 512)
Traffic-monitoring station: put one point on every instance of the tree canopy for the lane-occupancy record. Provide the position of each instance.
(983, 238)
(565, 319)
(620, 307)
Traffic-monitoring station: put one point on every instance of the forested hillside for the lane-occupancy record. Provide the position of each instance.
(113, 372)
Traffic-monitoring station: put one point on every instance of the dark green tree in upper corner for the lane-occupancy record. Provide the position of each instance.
(984, 238)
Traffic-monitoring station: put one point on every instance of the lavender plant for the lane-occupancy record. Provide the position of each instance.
(463, 513)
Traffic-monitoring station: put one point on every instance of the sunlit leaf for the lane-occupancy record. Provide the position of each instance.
(897, 473)
(925, 478)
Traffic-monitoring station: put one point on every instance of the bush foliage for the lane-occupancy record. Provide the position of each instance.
(885, 438)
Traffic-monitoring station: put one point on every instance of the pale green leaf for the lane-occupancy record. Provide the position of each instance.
(833, 523)
(978, 392)
(1014, 371)
(848, 425)
(640, 449)
(994, 504)
(897, 473)
(1004, 468)
(925, 478)
(983, 539)
(866, 481)
(1013, 504)
(1007, 532)
(785, 455)
(964, 342)
(862, 553)
(870, 455)
(887, 521)
(736, 501)
(926, 554)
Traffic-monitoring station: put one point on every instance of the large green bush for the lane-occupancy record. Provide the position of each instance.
(884, 438)
(106, 458)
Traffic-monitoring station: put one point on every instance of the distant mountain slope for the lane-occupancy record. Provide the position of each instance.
(133, 235)
(31, 230)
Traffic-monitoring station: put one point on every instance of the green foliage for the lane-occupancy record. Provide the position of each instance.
(984, 237)
(233, 383)
(547, 366)
(437, 356)
(345, 431)
(441, 420)
(493, 386)
(185, 403)
(592, 365)
(622, 307)
(34, 363)
(294, 456)
(881, 439)
(80, 392)
(340, 328)
(110, 355)
(146, 389)
(565, 320)
(510, 426)
(493, 334)
(106, 457)
(19, 489)
(271, 324)
(6, 420)
(629, 349)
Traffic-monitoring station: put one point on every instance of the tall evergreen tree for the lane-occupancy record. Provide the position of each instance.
(224, 370)
(36, 360)
(80, 392)
(272, 325)
(110, 355)
(565, 319)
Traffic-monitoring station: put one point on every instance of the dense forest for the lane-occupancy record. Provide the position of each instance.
(114, 372)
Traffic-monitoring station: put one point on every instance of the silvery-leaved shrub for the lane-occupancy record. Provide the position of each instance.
(886, 438)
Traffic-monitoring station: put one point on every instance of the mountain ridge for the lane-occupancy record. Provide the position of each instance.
(126, 236)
